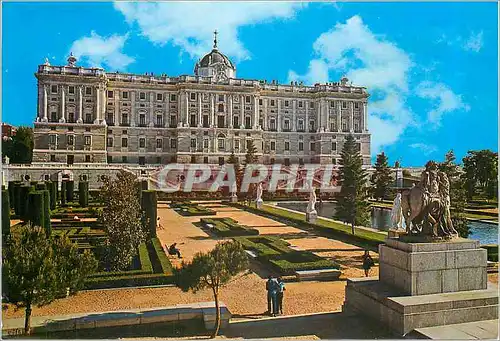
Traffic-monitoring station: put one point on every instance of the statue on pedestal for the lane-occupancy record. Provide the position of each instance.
(426, 207)
(311, 213)
(234, 189)
(397, 213)
(258, 200)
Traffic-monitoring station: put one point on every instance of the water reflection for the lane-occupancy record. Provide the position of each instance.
(381, 219)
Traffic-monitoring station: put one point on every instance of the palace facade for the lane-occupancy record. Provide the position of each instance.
(87, 115)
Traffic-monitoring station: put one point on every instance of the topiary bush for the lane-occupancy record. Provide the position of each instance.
(11, 193)
(23, 201)
(70, 191)
(46, 212)
(40, 186)
(35, 211)
(17, 198)
(52, 187)
(83, 193)
(5, 214)
(64, 185)
(149, 203)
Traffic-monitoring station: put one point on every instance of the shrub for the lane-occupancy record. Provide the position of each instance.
(5, 214)
(40, 186)
(46, 212)
(144, 258)
(70, 191)
(83, 193)
(165, 264)
(17, 198)
(35, 210)
(149, 204)
(52, 187)
(11, 193)
(23, 201)
(64, 186)
(492, 250)
(227, 227)
(189, 209)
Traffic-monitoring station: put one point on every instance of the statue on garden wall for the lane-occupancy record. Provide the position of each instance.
(426, 206)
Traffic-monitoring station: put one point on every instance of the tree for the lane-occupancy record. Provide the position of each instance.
(36, 270)
(250, 158)
(481, 170)
(382, 178)
(19, 148)
(149, 204)
(458, 196)
(121, 217)
(238, 170)
(83, 193)
(352, 205)
(212, 270)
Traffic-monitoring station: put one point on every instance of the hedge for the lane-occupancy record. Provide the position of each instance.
(35, 212)
(64, 186)
(492, 250)
(130, 281)
(144, 258)
(23, 201)
(17, 198)
(228, 227)
(281, 257)
(70, 191)
(83, 193)
(5, 213)
(40, 186)
(52, 187)
(187, 209)
(11, 193)
(166, 266)
(46, 212)
(149, 203)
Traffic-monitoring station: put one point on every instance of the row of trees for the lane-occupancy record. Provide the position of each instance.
(19, 148)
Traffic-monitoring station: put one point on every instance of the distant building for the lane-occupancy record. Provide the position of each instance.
(8, 130)
(87, 115)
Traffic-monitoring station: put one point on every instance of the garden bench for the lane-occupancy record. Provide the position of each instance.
(304, 275)
(252, 254)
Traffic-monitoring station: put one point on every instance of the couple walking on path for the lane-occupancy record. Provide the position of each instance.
(275, 288)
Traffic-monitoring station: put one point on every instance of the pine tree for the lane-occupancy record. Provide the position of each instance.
(352, 206)
(382, 178)
(458, 194)
(250, 158)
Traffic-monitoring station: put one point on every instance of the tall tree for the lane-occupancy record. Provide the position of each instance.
(19, 148)
(458, 196)
(481, 170)
(382, 178)
(250, 158)
(121, 218)
(36, 270)
(212, 270)
(238, 171)
(352, 206)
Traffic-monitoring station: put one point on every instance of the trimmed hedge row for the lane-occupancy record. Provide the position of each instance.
(165, 264)
(228, 227)
(188, 209)
(282, 258)
(492, 250)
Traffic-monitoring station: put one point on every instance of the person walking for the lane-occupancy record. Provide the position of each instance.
(281, 289)
(272, 288)
(367, 262)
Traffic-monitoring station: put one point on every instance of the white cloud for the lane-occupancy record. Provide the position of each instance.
(368, 60)
(474, 42)
(426, 149)
(190, 25)
(100, 51)
(443, 98)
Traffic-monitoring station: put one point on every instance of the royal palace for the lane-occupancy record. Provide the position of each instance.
(88, 115)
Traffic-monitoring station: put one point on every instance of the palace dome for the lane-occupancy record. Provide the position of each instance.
(215, 57)
(215, 64)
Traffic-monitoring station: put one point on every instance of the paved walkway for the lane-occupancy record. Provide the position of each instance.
(485, 330)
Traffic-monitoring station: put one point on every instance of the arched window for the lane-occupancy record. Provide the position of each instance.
(221, 141)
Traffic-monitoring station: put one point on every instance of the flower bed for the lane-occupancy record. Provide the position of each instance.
(189, 209)
(228, 227)
(281, 257)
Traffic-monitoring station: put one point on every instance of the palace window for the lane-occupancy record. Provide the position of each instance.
(333, 126)
(221, 142)
(124, 142)
(52, 158)
(142, 142)
(273, 145)
(221, 108)
(344, 105)
(286, 125)
(88, 140)
(205, 159)
(300, 104)
(272, 103)
(159, 120)
(71, 140)
(311, 105)
(87, 158)
(287, 145)
(173, 98)
(125, 95)
(142, 120)
(159, 97)
(300, 125)
(88, 90)
(124, 119)
(311, 146)
(260, 101)
(159, 143)
(332, 104)
(236, 144)
(192, 120)
(247, 99)
(173, 143)
(205, 121)
(272, 124)
(142, 95)
(356, 105)
(124, 159)
(301, 146)
(311, 126)
(205, 144)
(173, 121)
(110, 93)
(52, 139)
(71, 90)
(287, 103)
(221, 98)
(193, 95)
(248, 122)
(53, 89)
(334, 146)
(193, 143)
(109, 142)
(236, 122)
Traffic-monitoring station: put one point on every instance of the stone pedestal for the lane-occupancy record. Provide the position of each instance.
(259, 203)
(311, 217)
(395, 233)
(425, 285)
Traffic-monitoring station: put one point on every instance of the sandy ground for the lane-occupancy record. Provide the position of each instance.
(245, 296)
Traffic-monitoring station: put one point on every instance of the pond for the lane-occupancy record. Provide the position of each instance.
(381, 218)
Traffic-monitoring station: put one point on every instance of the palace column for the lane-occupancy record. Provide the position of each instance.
(351, 118)
(103, 106)
(294, 115)
(318, 115)
(365, 118)
(63, 105)
(45, 103)
(200, 119)
(97, 105)
(212, 110)
(306, 123)
(339, 115)
(151, 109)
(132, 109)
(230, 111)
(278, 115)
(255, 112)
(80, 104)
(265, 113)
(242, 112)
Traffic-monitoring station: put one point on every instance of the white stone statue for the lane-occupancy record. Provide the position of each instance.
(311, 214)
(397, 213)
(7, 160)
(259, 200)
(234, 189)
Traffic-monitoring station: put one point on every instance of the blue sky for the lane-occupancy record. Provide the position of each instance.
(431, 68)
